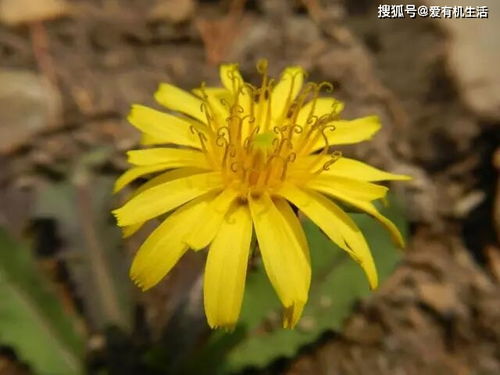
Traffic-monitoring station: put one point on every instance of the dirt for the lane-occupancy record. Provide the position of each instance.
(439, 313)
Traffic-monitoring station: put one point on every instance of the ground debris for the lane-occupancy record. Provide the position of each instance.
(28, 106)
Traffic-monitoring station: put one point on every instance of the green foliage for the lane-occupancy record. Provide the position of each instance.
(337, 283)
(93, 244)
(32, 319)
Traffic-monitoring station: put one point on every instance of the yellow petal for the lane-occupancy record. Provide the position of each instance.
(336, 224)
(348, 132)
(163, 248)
(284, 259)
(294, 223)
(149, 140)
(159, 127)
(164, 177)
(135, 172)
(174, 157)
(165, 197)
(130, 230)
(371, 210)
(286, 90)
(355, 188)
(318, 108)
(292, 314)
(210, 220)
(355, 169)
(179, 100)
(226, 267)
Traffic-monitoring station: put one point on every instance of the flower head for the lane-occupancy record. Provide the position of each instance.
(233, 161)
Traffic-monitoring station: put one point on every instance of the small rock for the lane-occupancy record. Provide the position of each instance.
(441, 298)
(28, 105)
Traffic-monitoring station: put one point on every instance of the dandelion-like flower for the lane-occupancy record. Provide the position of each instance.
(235, 161)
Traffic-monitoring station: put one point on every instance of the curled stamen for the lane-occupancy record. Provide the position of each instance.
(336, 155)
(201, 136)
(206, 110)
(223, 131)
(237, 108)
(235, 166)
(248, 87)
(326, 127)
(297, 129)
(225, 103)
(312, 120)
(325, 137)
(203, 90)
(327, 85)
(221, 139)
(280, 130)
(290, 159)
(251, 119)
(247, 143)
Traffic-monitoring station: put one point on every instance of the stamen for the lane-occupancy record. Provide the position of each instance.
(225, 103)
(222, 132)
(206, 110)
(202, 137)
(290, 159)
(336, 155)
(235, 166)
(325, 137)
(247, 144)
(297, 129)
(328, 85)
(262, 66)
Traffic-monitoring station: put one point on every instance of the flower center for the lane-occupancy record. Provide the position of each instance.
(256, 142)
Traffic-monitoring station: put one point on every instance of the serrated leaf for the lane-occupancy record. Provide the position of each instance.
(32, 319)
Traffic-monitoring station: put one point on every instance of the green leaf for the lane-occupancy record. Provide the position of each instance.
(337, 283)
(93, 251)
(32, 319)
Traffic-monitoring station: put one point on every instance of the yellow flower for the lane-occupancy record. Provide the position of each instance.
(238, 158)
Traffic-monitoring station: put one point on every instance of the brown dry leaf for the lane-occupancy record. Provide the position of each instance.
(218, 36)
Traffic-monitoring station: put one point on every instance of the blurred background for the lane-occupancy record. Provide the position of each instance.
(69, 71)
